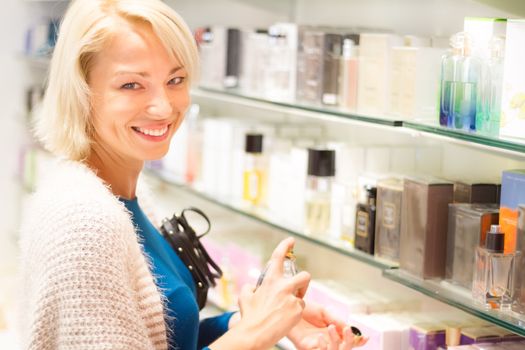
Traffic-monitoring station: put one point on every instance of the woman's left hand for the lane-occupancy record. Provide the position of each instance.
(318, 330)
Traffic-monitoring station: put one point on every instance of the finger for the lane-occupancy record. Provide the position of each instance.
(299, 284)
(323, 345)
(329, 318)
(348, 339)
(360, 341)
(334, 338)
(279, 254)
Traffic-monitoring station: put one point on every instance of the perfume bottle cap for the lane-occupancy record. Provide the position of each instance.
(495, 240)
(253, 143)
(348, 48)
(321, 162)
(371, 191)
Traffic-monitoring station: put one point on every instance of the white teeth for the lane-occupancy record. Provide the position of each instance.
(153, 132)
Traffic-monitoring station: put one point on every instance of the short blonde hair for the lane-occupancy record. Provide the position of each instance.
(63, 124)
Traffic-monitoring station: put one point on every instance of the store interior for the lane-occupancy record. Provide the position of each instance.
(327, 121)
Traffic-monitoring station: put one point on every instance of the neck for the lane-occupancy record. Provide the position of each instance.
(120, 174)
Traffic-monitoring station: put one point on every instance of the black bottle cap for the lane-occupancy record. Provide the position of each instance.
(495, 240)
(371, 191)
(253, 143)
(321, 162)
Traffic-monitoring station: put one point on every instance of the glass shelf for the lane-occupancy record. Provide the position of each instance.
(430, 127)
(267, 218)
(459, 298)
(433, 127)
(327, 111)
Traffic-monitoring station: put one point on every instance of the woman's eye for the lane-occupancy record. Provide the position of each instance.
(177, 80)
(130, 86)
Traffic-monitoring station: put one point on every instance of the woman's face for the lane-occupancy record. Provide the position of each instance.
(139, 95)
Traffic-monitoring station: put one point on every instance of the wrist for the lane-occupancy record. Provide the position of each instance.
(240, 337)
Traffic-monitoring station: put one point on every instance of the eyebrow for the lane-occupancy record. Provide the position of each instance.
(145, 74)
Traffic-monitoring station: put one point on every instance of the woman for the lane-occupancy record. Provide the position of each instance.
(96, 273)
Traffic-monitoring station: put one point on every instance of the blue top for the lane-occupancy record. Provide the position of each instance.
(176, 283)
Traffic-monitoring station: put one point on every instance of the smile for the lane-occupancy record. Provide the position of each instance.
(152, 132)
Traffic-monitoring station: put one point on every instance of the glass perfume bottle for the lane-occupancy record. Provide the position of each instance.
(493, 283)
(254, 177)
(321, 172)
(289, 268)
(348, 76)
(491, 88)
(465, 88)
(365, 221)
(448, 77)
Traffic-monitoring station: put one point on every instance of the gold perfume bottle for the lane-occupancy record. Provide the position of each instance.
(318, 207)
(254, 176)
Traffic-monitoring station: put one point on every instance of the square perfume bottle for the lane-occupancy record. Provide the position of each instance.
(388, 218)
(423, 229)
(494, 272)
(467, 227)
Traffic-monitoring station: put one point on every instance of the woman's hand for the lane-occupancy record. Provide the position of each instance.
(319, 330)
(272, 310)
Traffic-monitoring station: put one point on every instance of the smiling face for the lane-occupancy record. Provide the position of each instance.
(139, 95)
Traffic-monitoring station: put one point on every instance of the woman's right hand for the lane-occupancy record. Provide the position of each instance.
(270, 311)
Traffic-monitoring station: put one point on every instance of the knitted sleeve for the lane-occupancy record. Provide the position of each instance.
(81, 292)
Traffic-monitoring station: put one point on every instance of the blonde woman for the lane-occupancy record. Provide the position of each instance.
(96, 273)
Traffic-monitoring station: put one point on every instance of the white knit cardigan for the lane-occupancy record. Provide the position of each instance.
(86, 283)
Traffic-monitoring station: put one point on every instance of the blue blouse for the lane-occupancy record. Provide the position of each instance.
(175, 282)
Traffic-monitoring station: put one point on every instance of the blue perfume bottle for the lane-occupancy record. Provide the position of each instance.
(465, 87)
(449, 75)
(491, 88)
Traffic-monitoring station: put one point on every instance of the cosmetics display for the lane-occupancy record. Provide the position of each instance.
(255, 173)
(388, 219)
(512, 195)
(321, 170)
(493, 283)
(423, 230)
(467, 228)
(365, 221)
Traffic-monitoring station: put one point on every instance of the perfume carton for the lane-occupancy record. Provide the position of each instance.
(469, 192)
(388, 218)
(512, 195)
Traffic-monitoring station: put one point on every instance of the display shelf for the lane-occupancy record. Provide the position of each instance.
(502, 143)
(267, 218)
(237, 96)
(458, 298)
(424, 127)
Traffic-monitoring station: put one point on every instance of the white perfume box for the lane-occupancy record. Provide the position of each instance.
(414, 84)
(213, 57)
(512, 123)
(373, 96)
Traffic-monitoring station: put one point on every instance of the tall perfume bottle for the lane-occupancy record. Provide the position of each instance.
(321, 172)
(491, 88)
(449, 79)
(365, 221)
(254, 178)
(493, 283)
(348, 75)
(465, 88)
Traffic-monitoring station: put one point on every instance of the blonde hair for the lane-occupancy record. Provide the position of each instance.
(63, 124)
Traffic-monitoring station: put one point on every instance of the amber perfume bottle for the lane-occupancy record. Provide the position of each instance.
(321, 172)
(254, 178)
(493, 284)
(365, 219)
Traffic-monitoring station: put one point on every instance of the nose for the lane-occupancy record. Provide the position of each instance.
(160, 104)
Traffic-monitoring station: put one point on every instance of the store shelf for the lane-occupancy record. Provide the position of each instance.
(296, 107)
(501, 143)
(267, 218)
(459, 298)
(427, 127)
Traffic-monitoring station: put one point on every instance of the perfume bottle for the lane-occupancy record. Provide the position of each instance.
(289, 268)
(491, 88)
(321, 172)
(365, 221)
(254, 178)
(465, 88)
(493, 283)
(348, 76)
(448, 76)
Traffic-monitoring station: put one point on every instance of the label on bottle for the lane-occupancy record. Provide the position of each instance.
(362, 224)
(253, 185)
(389, 215)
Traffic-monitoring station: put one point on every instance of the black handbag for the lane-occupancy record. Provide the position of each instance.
(186, 243)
